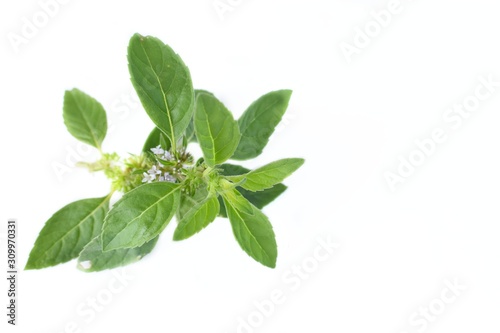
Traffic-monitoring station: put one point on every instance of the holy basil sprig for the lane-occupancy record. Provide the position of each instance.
(164, 179)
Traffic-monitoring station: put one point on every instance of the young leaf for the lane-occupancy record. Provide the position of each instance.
(93, 259)
(251, 229)
(67, 232)
(163, 84)
(84, 118)
(140, 215)
(268, 175)
(216, 130)
(258, 123)
(230, 194)
(197, 218)
(258, 199)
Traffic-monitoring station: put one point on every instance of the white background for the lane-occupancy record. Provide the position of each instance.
(349, 120)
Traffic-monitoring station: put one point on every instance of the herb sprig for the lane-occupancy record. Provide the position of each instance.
(165, 179)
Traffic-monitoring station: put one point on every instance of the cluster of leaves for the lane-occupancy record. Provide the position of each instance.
(164, 180)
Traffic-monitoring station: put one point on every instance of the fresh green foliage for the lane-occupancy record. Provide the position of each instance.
(94, 259)
(258, 199)
(216, 130)
(67, 232)
(163, 84)
(189, 200)
(258, 122)
(251, 228)
(269, 175)
(140, 215)
(197, 218)
(190, 134)
(164, 179)
(84, 117)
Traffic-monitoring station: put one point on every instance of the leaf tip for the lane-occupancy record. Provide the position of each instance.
(177, 235)
(29, 266)
(34, 264)
(271, 263)
(138, 36)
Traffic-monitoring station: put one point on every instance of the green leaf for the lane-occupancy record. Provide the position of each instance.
(228, 169)
(153, 141)
(163, 84)
(198, 92)
(268, 175)
(258, 122)
(187, 202)
(258, 199)
(222, 207)
(197, 218)
(235, 197)
(84, 118)
(93, 259)
(263, 198)
(216, 130)
(140, 215)
(190, 134)
(252, 229)
(67, 232)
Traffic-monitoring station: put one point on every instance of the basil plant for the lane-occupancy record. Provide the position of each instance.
(165, 180)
